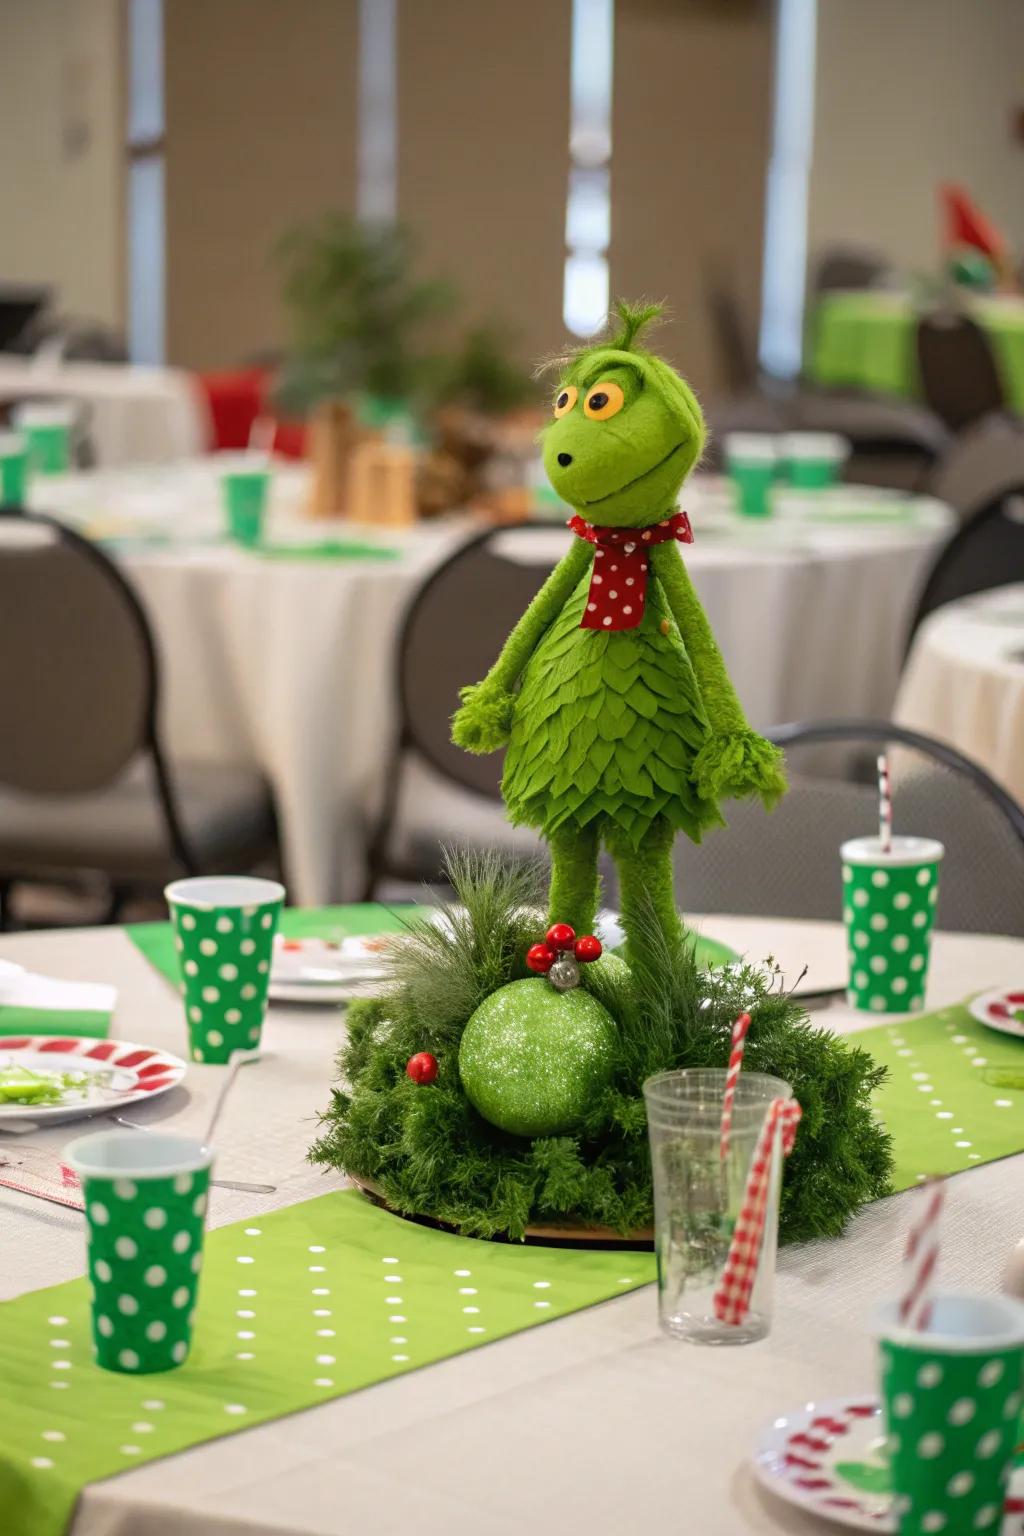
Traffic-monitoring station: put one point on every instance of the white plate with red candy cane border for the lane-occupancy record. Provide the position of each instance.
(1001, 1010)
(829, 1458)
(123, 1074)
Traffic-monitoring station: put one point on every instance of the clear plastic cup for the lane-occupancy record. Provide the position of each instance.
(698, 1197)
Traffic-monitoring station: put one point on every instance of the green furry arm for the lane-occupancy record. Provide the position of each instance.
(736, 761)
(484, 721)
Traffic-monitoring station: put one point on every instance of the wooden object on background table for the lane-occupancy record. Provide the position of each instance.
(382, 484)
(333, 436)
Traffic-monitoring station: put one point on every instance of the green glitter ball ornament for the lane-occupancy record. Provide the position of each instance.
(531, 1058)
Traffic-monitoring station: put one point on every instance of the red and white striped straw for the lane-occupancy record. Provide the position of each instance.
(734, 1290)
(732, 1077)
(884, 804)
(921, 1257)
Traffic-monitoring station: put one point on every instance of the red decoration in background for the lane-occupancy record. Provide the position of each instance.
(422, 1067)
(561, 936)
(540, 958)
(967, 225)
(587, 948)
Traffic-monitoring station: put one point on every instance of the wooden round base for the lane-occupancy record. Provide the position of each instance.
(568, 1236)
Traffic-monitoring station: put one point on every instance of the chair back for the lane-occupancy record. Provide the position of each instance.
(848, 266)
(982, 463)
(77, 664)
(957, 368)
(452, 634)
(787, 864)
(987, 552)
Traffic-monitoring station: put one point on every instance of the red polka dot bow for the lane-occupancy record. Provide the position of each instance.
(618, 583)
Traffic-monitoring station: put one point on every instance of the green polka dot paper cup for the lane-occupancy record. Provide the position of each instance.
(224, 931)
(952, 1397)
(145, 1207)
(889, 910)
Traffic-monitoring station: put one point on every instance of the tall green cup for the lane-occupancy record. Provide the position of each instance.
(46, 427)
(889, 910)
(245, 488)
(224, 928)
(145, 1206)
(812, 460)
(750, 459)
(952, 1396)
(13, 469)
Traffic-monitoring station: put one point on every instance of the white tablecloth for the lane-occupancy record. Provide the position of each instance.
(289, 665)
(964, 682)
(135, 415)
(595, 1423)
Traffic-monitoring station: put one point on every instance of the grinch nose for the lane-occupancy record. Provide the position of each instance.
(565, 459)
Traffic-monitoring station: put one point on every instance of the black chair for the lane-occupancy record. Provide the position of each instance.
(843, 266)
(451, 634)
(85, 785)
(958, 372)
(987, 552)
(787, 864)
(984, 462)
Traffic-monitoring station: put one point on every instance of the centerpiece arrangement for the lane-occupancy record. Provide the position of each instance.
(496, 1083)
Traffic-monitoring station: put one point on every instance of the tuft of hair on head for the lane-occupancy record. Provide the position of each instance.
(633, 319)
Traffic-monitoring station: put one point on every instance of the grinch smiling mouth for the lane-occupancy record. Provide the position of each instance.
(631, 483)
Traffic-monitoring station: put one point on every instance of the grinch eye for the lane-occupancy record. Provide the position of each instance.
(604, 400)
(565, 399)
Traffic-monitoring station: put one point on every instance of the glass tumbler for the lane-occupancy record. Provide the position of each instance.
(699, 1194)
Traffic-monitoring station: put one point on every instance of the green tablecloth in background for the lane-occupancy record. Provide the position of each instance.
(866, 341)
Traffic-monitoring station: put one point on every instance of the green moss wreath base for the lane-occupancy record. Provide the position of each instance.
(430, 1154)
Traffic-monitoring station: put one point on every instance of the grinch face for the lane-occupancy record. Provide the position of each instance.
(624, 436)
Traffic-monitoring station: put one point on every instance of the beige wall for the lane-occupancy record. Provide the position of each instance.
(910, 94)
(690, 141)
(260, 135)
(61, 158)
(483, 155)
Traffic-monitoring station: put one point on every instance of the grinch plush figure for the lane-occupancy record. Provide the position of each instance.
(621, 722)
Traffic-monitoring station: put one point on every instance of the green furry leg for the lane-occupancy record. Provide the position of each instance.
(574, 882)
(646, 886)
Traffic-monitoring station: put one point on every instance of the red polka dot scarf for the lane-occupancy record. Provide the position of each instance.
(618, 583)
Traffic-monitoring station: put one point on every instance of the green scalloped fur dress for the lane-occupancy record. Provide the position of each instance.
(607, 726)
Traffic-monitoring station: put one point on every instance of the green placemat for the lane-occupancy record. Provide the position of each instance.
(156, 940)
(295, 1308)
(955, 1094)
(53, 1021)
(329, 549)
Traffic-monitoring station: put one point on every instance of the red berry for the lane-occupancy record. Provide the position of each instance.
(587, 948)
(561, 936)
(540, 958)
(422, 1067)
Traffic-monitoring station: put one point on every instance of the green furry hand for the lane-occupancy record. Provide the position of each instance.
(740, 765)
(484, 722)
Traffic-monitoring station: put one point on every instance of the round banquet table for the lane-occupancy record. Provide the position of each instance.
(964, 682)
(286, 664)
(865, 340)
(133, 414)
(587, 1424)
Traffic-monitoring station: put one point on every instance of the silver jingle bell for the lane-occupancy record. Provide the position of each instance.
(564, 974)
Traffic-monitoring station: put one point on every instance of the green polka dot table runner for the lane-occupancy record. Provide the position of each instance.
(954, 1098)
(295, 1308)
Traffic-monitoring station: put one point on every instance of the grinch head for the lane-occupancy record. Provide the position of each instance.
(626, 431)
